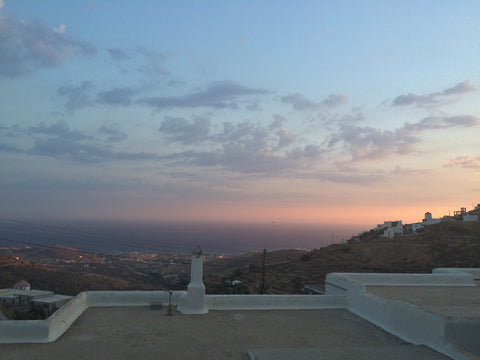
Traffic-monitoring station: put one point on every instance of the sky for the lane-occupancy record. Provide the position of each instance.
(335, 112)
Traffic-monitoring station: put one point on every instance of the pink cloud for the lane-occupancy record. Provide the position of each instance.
(469, 162)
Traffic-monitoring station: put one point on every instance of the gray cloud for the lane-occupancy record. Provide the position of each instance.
(7, 148)
(252, 148)
(369, 143)
(442, 122)
(58, 129)
(300, 102)
(175, 82)
(77, 96)
(460, 88)
(433, 98)
(25, 45)
(468, 162)
(419, 100)
(254, 106)
(221, 94)
(58, 147)
(334, 100)
(113, 133)
(117, 96)
(285, 137)
(118, 54)
(351, 178)
(183, 131)
(59, 141)
(153, 67)
(365, 143)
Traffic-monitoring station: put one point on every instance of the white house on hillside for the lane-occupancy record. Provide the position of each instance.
(22, 285)
(428, 220)
(391, 228)
(417, 226)
(470, 217)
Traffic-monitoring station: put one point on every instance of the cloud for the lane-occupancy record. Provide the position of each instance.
(153, 67)
(118, 54)
(113, 133)
(251, 148)
(116, 96)
(2, 4)
(419, 100)
(183, 131)
(7, 148)
(460, 88)
(300, 102)
(468, 162)
(58, 147)
(285, 137)
(367, 143)
(59, 141)
(334, 100)
(218, 95)
(59, 129)
(175, 82)
(253, 106)
(25, 45)
(433, 98)
(351, 178)
(442, 122)
(77, 96)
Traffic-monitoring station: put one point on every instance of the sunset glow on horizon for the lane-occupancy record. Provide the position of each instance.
(340, 112)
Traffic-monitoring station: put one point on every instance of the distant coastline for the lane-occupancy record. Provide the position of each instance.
(171, 237)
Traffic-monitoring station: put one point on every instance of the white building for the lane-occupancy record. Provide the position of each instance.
(22, 285)
(392, 228)
(429, 220)
(417, 226)
(470, 217)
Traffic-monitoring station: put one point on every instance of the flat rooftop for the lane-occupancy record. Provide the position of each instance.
(453, 302)
(138, 332)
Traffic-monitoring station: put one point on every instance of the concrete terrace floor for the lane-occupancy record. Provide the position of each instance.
(141, 333)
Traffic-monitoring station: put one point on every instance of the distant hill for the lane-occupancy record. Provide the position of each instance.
(58, 281)
(55, 251)
(447, 244)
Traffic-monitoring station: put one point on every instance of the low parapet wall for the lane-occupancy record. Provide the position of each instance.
(274, 302)
(356, 280)
(63, 318)
(24, 331)
(475, 272)
(133, 298)
(408, 321)
(43, 331)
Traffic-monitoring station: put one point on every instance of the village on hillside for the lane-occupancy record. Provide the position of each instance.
(392, 229)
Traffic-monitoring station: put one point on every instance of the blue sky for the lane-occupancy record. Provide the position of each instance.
(239, 110)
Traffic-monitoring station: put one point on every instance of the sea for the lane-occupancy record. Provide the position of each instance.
(171, 237)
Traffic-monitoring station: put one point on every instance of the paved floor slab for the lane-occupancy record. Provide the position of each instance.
(400, 352)
(141, 333)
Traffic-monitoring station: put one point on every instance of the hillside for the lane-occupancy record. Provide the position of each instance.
(447, 244)
(58, 281)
